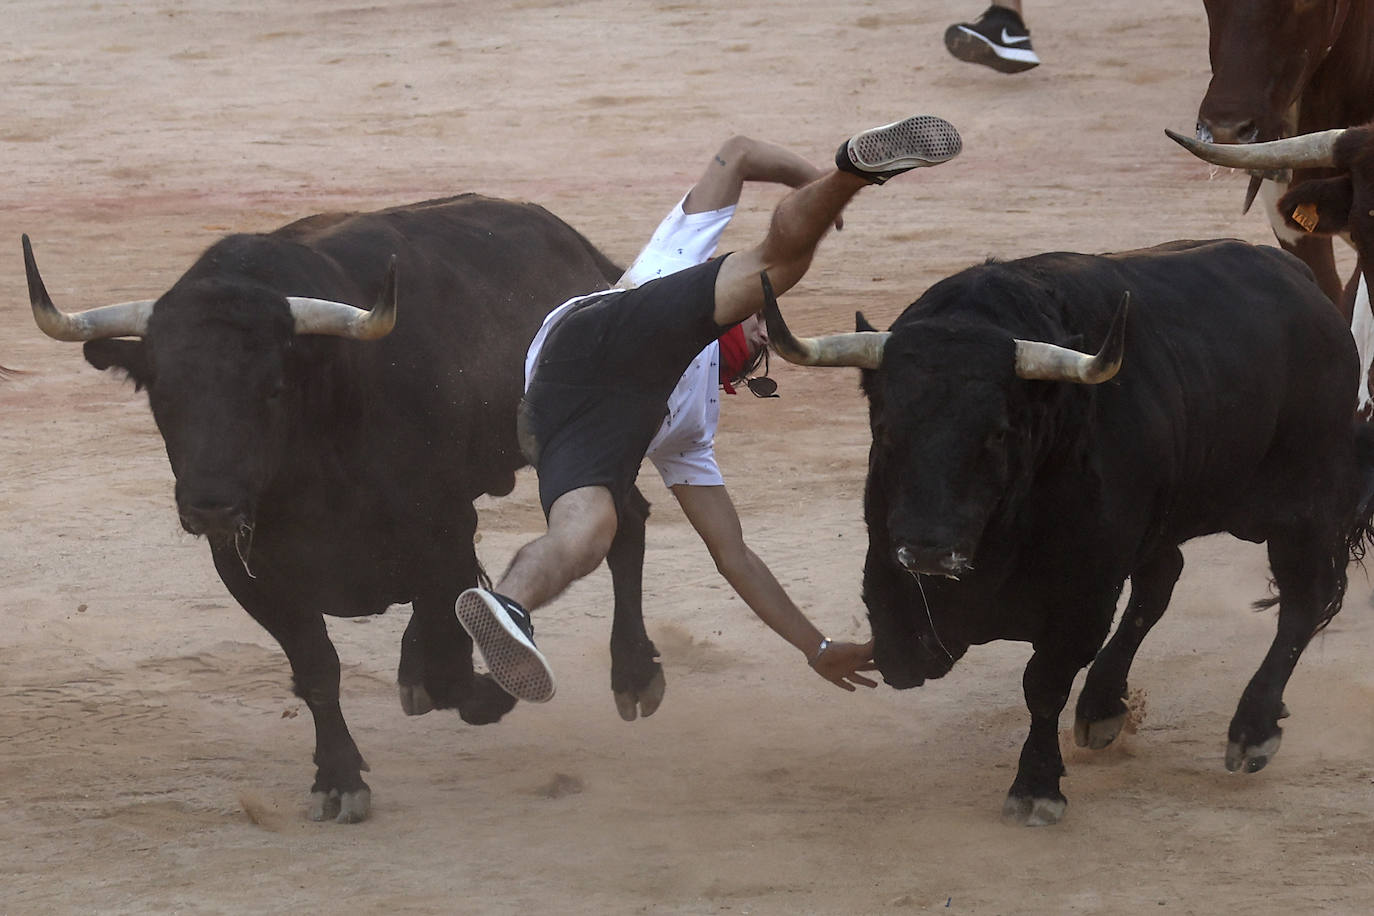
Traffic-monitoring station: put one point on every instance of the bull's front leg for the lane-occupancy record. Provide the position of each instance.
(1034, 799)
(636, 676)
(1102, 702)
(436, 666)
(435, 670)
(338, 792)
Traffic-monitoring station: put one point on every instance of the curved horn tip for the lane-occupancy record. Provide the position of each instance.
(39, 299)
(30, 265)
(1190, 143)
(389, 284)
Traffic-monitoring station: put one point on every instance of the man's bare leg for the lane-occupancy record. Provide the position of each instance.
(582, 524)
(803, 217)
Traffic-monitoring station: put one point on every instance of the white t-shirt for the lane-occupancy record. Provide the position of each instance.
(683, 449)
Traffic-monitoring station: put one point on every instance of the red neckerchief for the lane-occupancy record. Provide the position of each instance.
(734, 357)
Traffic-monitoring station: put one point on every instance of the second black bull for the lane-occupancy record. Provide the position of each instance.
(1015, 484)
(331, 453)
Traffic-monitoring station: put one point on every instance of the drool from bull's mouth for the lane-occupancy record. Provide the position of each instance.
(243, 545)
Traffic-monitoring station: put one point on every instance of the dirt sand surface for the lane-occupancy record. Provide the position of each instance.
(152, 757)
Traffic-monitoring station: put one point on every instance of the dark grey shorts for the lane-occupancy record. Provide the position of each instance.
(601, 385)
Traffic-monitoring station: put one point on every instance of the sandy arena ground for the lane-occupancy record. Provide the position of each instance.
(152, 757)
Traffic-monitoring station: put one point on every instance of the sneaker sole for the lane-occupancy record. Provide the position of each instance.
(512, 659)
(968, 45)
(917, 142)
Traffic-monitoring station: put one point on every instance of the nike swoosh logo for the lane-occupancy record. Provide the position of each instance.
(1013, 39)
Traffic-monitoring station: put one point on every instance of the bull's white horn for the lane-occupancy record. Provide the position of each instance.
(861, 349)
(1049, 362)
(125, 319)
(1308, 151)
(339, 319)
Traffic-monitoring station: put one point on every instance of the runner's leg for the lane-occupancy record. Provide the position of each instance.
(803, 217)
(582, 524)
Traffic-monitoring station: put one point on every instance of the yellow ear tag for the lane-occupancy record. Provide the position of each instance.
(1305, 215)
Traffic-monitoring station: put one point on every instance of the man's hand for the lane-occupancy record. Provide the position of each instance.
(840, 664)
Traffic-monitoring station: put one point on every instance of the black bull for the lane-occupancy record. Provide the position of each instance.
(1004, 504)
(335, 475)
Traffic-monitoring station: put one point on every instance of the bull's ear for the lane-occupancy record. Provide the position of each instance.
(866, 376)
(127, 356)
(1321, 205)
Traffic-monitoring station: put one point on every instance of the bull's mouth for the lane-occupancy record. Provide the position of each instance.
(908, 656)
(222, 526)
(916, 663)
(901, 680)
(1204, 133)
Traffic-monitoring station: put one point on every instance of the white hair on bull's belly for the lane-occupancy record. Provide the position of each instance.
(1362, 329)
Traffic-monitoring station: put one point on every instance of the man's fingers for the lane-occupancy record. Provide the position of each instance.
(843, 683)
(860, 679)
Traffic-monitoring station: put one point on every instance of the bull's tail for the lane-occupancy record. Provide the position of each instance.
(1361, 534)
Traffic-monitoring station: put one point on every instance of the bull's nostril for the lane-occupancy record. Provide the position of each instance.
(1210, 130)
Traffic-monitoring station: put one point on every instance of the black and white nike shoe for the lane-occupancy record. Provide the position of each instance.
(881, 152)
(504, 634)
(998, 39)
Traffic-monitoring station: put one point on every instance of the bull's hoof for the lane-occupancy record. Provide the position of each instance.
(1099, 734)
(415, 699)
(486, 703)
(341, 807)
(1251, 758)
(1025, 811)
(632, 704)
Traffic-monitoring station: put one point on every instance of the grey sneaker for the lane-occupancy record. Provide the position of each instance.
(881, 152)
(504, 634)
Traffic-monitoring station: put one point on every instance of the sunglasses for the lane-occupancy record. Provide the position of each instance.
(762, 386)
